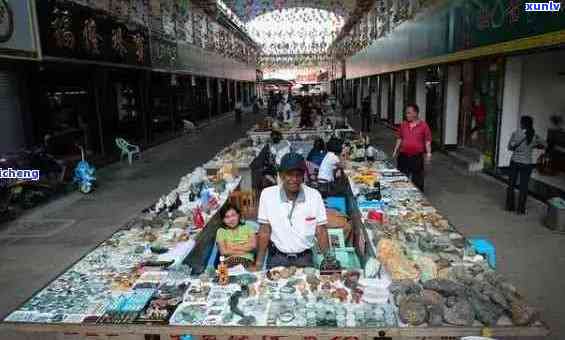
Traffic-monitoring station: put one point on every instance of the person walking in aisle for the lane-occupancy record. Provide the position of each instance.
(238, 111)
(413, 146)
(522, 143)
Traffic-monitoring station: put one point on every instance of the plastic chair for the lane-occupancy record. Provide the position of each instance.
(127, 149)
(337, 203)
(213, 256)
(188, 126)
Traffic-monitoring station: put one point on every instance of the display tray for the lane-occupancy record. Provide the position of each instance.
(383, 270)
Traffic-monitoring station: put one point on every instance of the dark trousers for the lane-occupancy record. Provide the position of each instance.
(413, 167)
(278, 259)
(237, 116)
(523, 172)
(365, 122)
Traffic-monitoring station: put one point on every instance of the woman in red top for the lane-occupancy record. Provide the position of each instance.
(480, 114)
(413, 144)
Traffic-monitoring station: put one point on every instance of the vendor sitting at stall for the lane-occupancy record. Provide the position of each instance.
(331, 162)
(277, 150)
(236, 239)
(292, 215)
(318, 152)
(279, 146)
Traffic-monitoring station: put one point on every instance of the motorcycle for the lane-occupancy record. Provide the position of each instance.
(17, 194)
(84, 174)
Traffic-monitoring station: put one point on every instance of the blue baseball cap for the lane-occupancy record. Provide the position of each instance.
(292, 161)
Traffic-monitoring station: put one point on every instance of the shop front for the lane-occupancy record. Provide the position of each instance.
(63, 114)
(127, 109)
(164, 95)
(109, 100)
(18, 51)
(531, 88)
(384, 81)
(434, 99)
(482, 85)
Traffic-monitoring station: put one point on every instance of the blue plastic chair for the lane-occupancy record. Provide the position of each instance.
(486, 248)
(337, 203)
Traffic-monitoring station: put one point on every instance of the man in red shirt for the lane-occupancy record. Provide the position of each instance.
(413, 146)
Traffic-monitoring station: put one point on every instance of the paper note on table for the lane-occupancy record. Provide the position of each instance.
(237, 270)
(179, 252)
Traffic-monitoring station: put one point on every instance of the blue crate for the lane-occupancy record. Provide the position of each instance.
(484, 247)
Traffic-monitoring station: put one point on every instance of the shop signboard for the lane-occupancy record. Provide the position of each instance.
(449, 27)
(70, 30)
(485, 22)
(196, 60)
(163, 52)
(427, 35)
(18, 35)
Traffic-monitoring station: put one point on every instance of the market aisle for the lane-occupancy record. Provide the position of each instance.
(528, 254)
(79, 222)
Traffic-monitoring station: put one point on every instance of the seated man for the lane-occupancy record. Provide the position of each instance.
(279, 146)
(277, 150)
(291, 215)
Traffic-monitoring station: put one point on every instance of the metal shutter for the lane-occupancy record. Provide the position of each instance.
(11, 124)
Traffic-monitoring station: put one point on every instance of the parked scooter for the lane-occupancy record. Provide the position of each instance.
(84, 174)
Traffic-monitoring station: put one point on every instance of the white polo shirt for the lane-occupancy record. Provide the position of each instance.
(328, 167)
(293, 224)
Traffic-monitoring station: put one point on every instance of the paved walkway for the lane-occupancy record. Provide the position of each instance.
(530, 255)
(81, 222)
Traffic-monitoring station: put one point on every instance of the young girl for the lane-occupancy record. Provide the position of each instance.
(236, 240)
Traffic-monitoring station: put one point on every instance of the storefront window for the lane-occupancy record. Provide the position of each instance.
(162, 107)
(67, 126)
(129, 112)
(486, 107)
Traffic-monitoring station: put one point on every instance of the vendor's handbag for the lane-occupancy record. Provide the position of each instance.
(543, 164)
(513, 148)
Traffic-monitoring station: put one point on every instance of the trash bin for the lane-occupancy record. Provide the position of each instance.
(555, 218)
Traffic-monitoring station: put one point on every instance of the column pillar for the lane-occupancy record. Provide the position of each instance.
(209, 98)
(385, 85)
(398, 97)
(234, 94)
(421, 92)
(229, 94)
(513, 74)
(219, 96)
(452, 104)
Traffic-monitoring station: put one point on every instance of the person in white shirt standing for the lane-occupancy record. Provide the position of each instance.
(292, 216)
